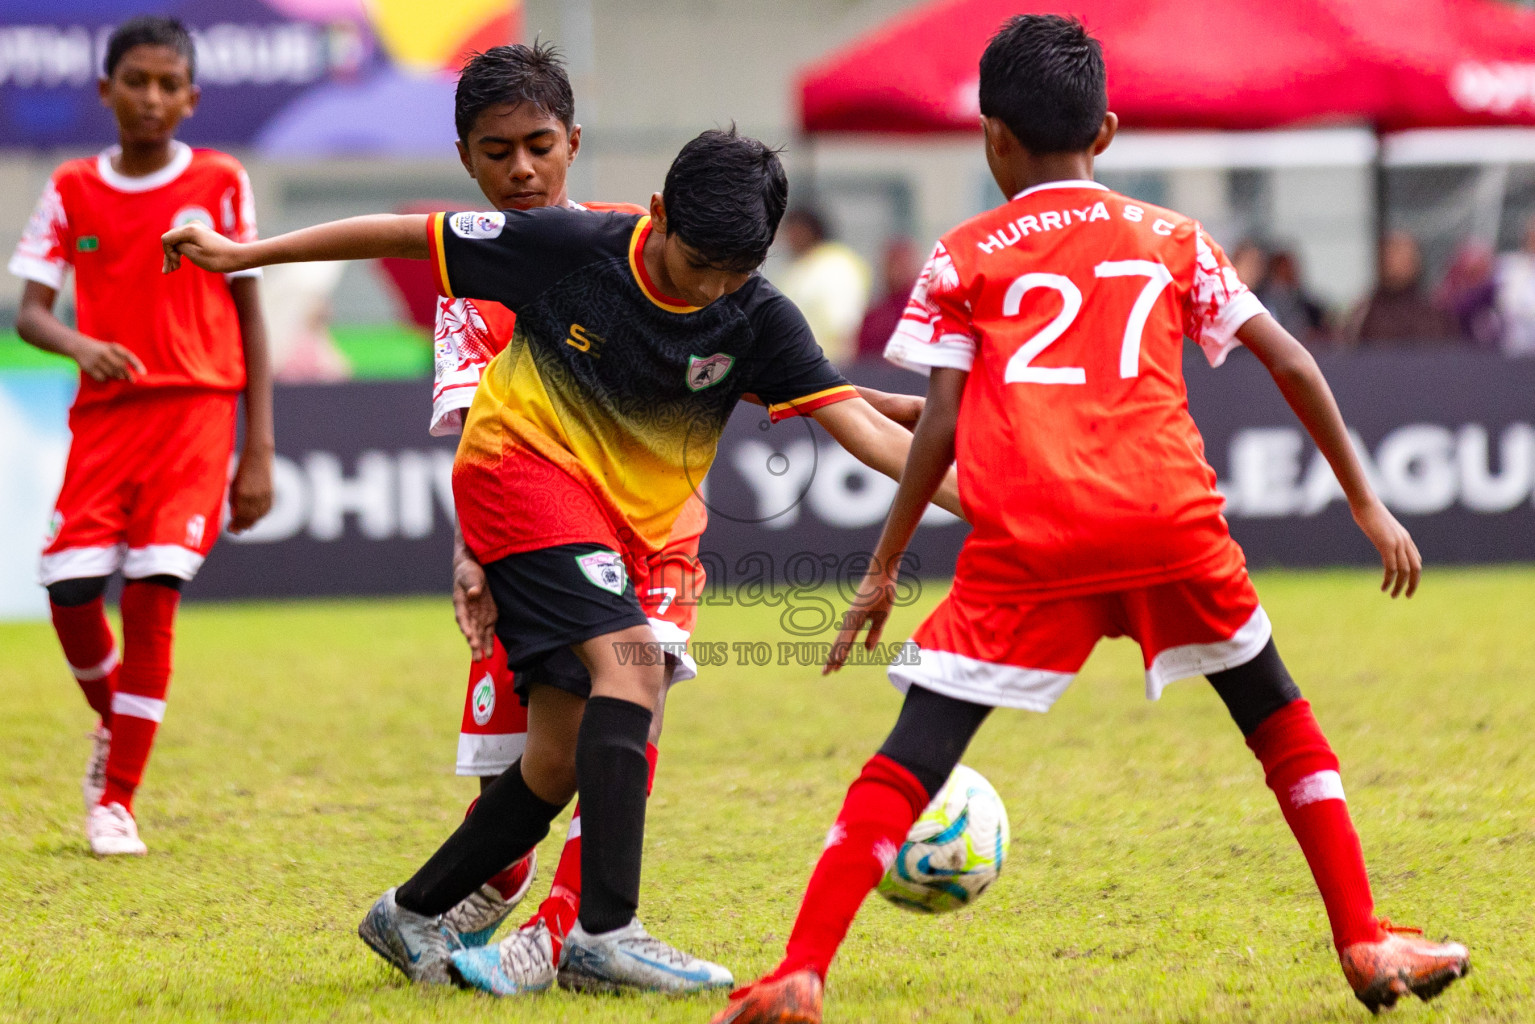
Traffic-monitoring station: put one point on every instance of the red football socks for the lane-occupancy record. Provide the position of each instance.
(138, 705)
(1302, 771)
(90, 650)
(881, 804)
(561, 908)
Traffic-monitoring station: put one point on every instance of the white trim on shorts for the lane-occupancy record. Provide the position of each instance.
(80, 563)
(1177, 663)
(161, 560)
(485, 755)
(675, 638)
(1036, 689)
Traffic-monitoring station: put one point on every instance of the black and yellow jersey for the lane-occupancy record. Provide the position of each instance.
(615, 384)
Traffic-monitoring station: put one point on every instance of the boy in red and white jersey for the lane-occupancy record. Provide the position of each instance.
(1052, 329)
(163, 364)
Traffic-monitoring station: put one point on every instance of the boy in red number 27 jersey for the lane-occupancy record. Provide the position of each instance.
(1052, 328)
(163, 362)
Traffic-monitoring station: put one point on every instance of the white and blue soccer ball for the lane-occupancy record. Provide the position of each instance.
(954, 851)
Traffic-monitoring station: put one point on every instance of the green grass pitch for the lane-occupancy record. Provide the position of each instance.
(305, 765)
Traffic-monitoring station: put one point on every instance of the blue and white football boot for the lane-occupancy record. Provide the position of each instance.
(476, 917)
(629, 959)
(418, 945)
(520, 963)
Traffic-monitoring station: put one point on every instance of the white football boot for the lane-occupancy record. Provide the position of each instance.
(521, 962)
(95, 781)
(418, 945)
(113, 832)
(475, 918)
(630, 959)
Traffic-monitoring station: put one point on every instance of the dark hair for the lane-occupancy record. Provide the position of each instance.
(725, 194)
(513, 74)
(151, 30)
(1042, 75)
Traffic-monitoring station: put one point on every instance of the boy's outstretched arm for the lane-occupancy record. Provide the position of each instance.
(39, 327)
(250, 494)
(356, 238)
(1301, 382)
(881, 444)
(904, 409)
(928, 467)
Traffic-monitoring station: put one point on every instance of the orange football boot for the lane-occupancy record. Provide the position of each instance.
(1384, 971)
(793, 999)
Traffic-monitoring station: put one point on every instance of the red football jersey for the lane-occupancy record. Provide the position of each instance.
(107, 227)
(1079, 465)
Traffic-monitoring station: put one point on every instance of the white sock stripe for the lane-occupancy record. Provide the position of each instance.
(574, 832)
(100, 670)
(134, 706)
(1317, 786)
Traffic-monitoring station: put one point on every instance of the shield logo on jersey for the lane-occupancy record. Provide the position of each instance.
(483, 703)
(55, 524)
(191, 215)
(477, 225)
(709, 371)
(604, 569)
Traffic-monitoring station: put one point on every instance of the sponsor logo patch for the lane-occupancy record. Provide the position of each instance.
(195, 527)
(708, 371)
(191, 215)
(483, 703)
(604, 569)
(87, 243)
(477, 225)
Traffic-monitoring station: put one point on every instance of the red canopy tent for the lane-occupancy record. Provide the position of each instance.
(1221, 64)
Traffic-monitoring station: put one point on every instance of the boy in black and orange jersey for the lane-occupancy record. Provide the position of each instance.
(635, 338)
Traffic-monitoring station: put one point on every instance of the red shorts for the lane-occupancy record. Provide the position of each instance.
(1024, 654)
(143, 487)
(494, 728)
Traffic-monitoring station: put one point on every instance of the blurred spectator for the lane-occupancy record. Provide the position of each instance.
(1251, 262)
(295, 299)
(902, 264)
(1469, 293)
(1287, 299)
(1398, 313)
(826, 280)
(1516, 296)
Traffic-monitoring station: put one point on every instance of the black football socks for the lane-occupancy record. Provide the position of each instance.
(507, 821)
(612, 772)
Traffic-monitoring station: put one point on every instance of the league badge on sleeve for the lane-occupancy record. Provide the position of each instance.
(477, 225)
(708, 371)
(604, 569)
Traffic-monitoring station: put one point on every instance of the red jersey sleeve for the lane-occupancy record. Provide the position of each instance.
(937, 327)
(1218, 303)
(43, 254)
(237, 214)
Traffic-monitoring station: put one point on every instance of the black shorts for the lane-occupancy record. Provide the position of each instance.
(550, 598)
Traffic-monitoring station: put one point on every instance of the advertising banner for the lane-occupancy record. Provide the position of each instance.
(364, 496)
(285, 77)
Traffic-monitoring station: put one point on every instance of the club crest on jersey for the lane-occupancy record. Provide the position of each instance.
(477, 225)
(192, 215)
(483, 703)
(55, 526)
(195, 527)
(708, 371)
(604, 569)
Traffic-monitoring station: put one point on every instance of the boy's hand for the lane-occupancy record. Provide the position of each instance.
(202, 245)
(473, 606)
(102, 361)
(903, 409)
(250, 496)
(1398, 554)
(871, 607)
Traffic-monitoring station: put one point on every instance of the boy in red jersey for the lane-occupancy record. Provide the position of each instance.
(1052, 328)
(163, 362)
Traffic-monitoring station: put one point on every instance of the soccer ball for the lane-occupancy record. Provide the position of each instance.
(954, 851)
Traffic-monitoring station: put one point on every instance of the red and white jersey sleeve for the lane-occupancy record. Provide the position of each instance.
(237, 215)
(936, 329)
(42, 255)
(465, 338)
(1218, 303)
